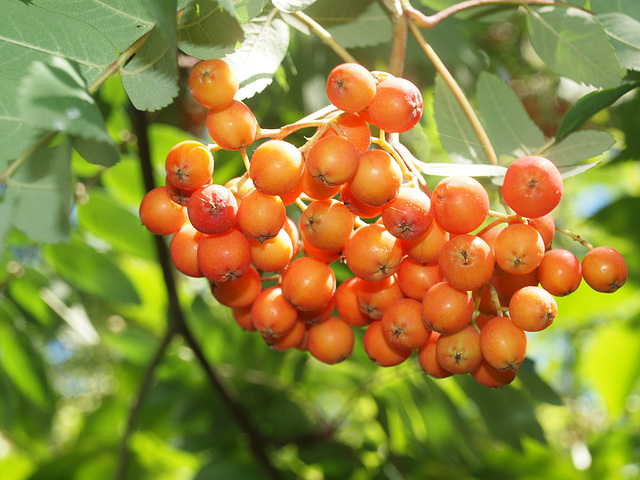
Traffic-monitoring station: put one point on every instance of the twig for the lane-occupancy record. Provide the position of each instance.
(325, 36)
(430, 21)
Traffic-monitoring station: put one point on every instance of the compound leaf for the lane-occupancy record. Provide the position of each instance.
(573, 44)
(507, 123)
(208, 30)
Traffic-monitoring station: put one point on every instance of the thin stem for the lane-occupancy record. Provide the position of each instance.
(575, 237)
(495, 298)
(399, 43)
(5, 176)
(430, 21)
(457, 92)
(120, 62)
(325, 36)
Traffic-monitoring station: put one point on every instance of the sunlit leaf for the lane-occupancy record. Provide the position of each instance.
(587, 106)
(509, 127)
(290, 6)
(255, 62)
(15, 134)
(573, 44)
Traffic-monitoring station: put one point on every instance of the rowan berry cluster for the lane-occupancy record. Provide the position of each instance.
(431, 274)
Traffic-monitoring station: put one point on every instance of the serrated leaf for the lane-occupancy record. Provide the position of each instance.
(38, 195)
(628, 7)
(357, 23)
(17, 362)
(573, 44)
(508, 126)
(120, 21)
(255, 62)
(29, 33)
(91, 271)
(574, 170)
(456, 133)
(580, 146)
(470, 170)
(247, 10)
(291, 6)
(54, 97)
(624, 35)
(151, 77)
(589, 105)
(208, 30)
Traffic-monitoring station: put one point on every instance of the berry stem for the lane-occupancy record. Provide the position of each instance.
(575, 237)
(245, 158)
(457, 92)
(495, 299)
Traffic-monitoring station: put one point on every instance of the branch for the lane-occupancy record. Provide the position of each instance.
(136, 407)
(430, 21)
(177, 320)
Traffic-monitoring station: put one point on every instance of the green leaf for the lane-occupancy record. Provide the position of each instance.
(580, 146)
(573, 44)
(589, 105)
(38, 195)
(54, 97)
(506, 121)
(508, 414)
(151, 77)
(357, 23)
(247, 10)
(115, 224)
(122, 22)
(622, 342)
(207, 30)
(291, 6)
(628, 7)
(456, 133)
(535, 385)
(15, 135)
(17, 361)
(573, 170)
(255, 62)
(30, 33)
(624, 35)
(91, 271)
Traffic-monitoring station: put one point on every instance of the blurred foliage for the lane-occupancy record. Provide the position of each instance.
(92, 378)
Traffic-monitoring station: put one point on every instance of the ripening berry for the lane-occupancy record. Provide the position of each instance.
(460, 204)
(532, 186)
(213, 84)
(160, 214)
(397, 106)
(350, 87)
(604, 269)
